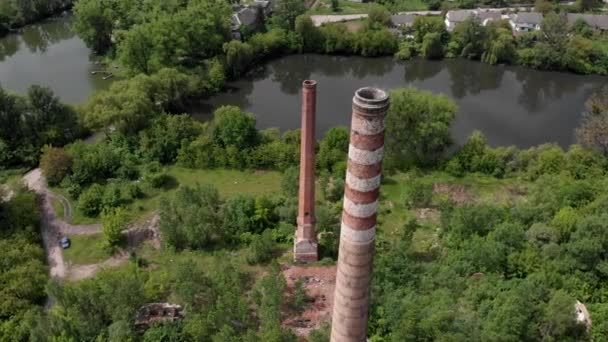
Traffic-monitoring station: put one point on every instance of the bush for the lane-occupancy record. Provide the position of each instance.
(158, 179)
(549, 160)
(261, 249)
(407, 50)
(55, 164)
(419, 194)
(112, 196)
(90, 201)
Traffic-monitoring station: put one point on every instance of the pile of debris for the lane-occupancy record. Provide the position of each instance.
(153, 313)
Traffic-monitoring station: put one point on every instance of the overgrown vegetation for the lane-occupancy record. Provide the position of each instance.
(557, 46)
(506, 261)
(14, 13)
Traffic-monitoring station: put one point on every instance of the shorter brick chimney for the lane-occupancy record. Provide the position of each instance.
(305, 244)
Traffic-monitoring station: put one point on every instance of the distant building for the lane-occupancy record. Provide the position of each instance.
(453, 18)
(247, 17)
(596, 21)
(487, 16)
(402, 20)
(525, 21)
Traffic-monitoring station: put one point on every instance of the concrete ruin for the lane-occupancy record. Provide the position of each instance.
(154, 313)
(305, 244)
(358, 230)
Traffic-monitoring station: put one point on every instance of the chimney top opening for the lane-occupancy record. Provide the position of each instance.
(309, 83)
(371, 95)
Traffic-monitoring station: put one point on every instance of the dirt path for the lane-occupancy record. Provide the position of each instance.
(52, 227)
(80, 272)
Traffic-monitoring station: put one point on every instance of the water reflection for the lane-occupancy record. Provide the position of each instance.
(9, 45)
(37, 38)
(511, 105)
(469, 78)
(537, 92)
(49, 54)
(420, 70)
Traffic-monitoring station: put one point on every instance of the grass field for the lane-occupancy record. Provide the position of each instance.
(57, 208)
(10, 176)
(228, 183)
(349, 7)
(393, 213)
(85, 249)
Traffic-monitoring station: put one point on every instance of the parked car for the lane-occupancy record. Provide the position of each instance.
(64, 242)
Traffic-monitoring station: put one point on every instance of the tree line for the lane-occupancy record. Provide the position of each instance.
(557, 46)
(15, 13)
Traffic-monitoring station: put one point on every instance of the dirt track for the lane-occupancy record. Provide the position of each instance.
(54, 228)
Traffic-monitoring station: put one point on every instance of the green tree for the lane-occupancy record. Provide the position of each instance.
(93, 23)
(91, 200)
(233, 127)
(239, 57)
(432, 47)
(190, 218)
(136, 50)
(500, 46)
(335, 5)
(418, 126)
(55, 164)
(554, 29)
(591, 133)
(312, 38)
(290, 183)
(286, 12)
(114, 223)
(423, 25)
(471, 36)
(262, 248)
(237, 217)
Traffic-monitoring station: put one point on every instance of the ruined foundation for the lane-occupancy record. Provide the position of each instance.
(361, 193)
(305, 244)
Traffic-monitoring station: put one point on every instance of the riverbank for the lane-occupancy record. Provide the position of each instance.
(15, 18)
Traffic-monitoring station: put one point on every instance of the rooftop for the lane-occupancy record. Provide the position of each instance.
(532, 18)
(598, 21)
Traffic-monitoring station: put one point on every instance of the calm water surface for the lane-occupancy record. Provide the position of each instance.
(49, 54)
(510, 105)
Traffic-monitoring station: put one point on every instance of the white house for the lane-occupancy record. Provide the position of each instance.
(596, 21)
(452, 18)
(525, 21)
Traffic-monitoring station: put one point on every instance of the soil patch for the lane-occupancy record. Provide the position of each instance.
(319, 282)
(429, 214)
(458, 194)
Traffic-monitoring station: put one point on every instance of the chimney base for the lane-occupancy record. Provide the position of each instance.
(305, 251)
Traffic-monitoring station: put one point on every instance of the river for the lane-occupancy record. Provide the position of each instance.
(49, 54)
(510, 105)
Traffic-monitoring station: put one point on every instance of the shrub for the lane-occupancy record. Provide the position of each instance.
(419, 194)
(565, 221)
(91, 200)
(407, 50)
(299, 295)
(158, 179)
(549, 160)
(134, 191)
(112, 196)
(55, 164)
(261, 249)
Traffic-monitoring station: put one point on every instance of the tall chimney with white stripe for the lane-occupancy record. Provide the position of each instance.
(361, 193)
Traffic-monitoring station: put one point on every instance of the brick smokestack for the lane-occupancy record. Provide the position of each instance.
(305, 245)
(361, 193)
